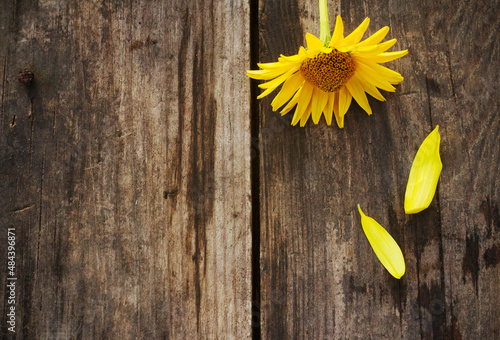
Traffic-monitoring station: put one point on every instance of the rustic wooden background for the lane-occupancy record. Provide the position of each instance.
(153, 197)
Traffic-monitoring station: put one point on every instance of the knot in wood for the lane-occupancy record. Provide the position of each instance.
(25, 76)
(328, 71)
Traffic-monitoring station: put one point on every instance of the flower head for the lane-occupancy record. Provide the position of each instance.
(324, 78)
(384, 246)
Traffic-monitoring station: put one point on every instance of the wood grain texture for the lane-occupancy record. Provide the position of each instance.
(125, 168)
(320, 278)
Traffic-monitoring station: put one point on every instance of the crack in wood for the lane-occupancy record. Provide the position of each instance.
(24, 208)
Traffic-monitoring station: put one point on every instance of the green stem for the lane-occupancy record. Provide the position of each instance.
(324, 24)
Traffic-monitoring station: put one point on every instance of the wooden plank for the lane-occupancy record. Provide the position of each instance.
(126, 171)
(463, 92)
(319, 276)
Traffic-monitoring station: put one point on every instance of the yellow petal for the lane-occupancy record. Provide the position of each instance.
(344, 101)
(305, 116)
(320, 98)
(374, 50)
(370, 89)
(303, 102)
(336, 110)
(357, 91)
(270, 66)
(357, 34)
(371, 76)
(277, 81)
(388, 56)
(391, 76)
(424, 174)
(290, 86)
(384, 246)
(267, 74)
(376, 37)
(328, 111)
(292, 59)
(338, 32)
(313, 43)
(295, 99)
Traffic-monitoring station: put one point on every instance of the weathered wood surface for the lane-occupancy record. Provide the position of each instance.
(319, 276)
(125, 169)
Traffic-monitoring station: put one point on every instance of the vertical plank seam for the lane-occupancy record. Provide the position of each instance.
(32, 130)
(419, 300)
(40, 217)
(438, 202)
(4, 77)
(255, 173)
(443, 282)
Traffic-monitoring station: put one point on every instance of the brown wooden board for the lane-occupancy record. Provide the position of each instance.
(125, 168)
(319, 277)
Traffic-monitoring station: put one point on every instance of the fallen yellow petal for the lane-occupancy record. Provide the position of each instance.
(384, 246)
(424, 174)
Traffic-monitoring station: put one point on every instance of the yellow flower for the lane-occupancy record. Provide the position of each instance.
(326, 76)
(424, 174)
(384, 246)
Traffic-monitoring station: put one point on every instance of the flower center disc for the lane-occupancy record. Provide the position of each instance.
(328, 71)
